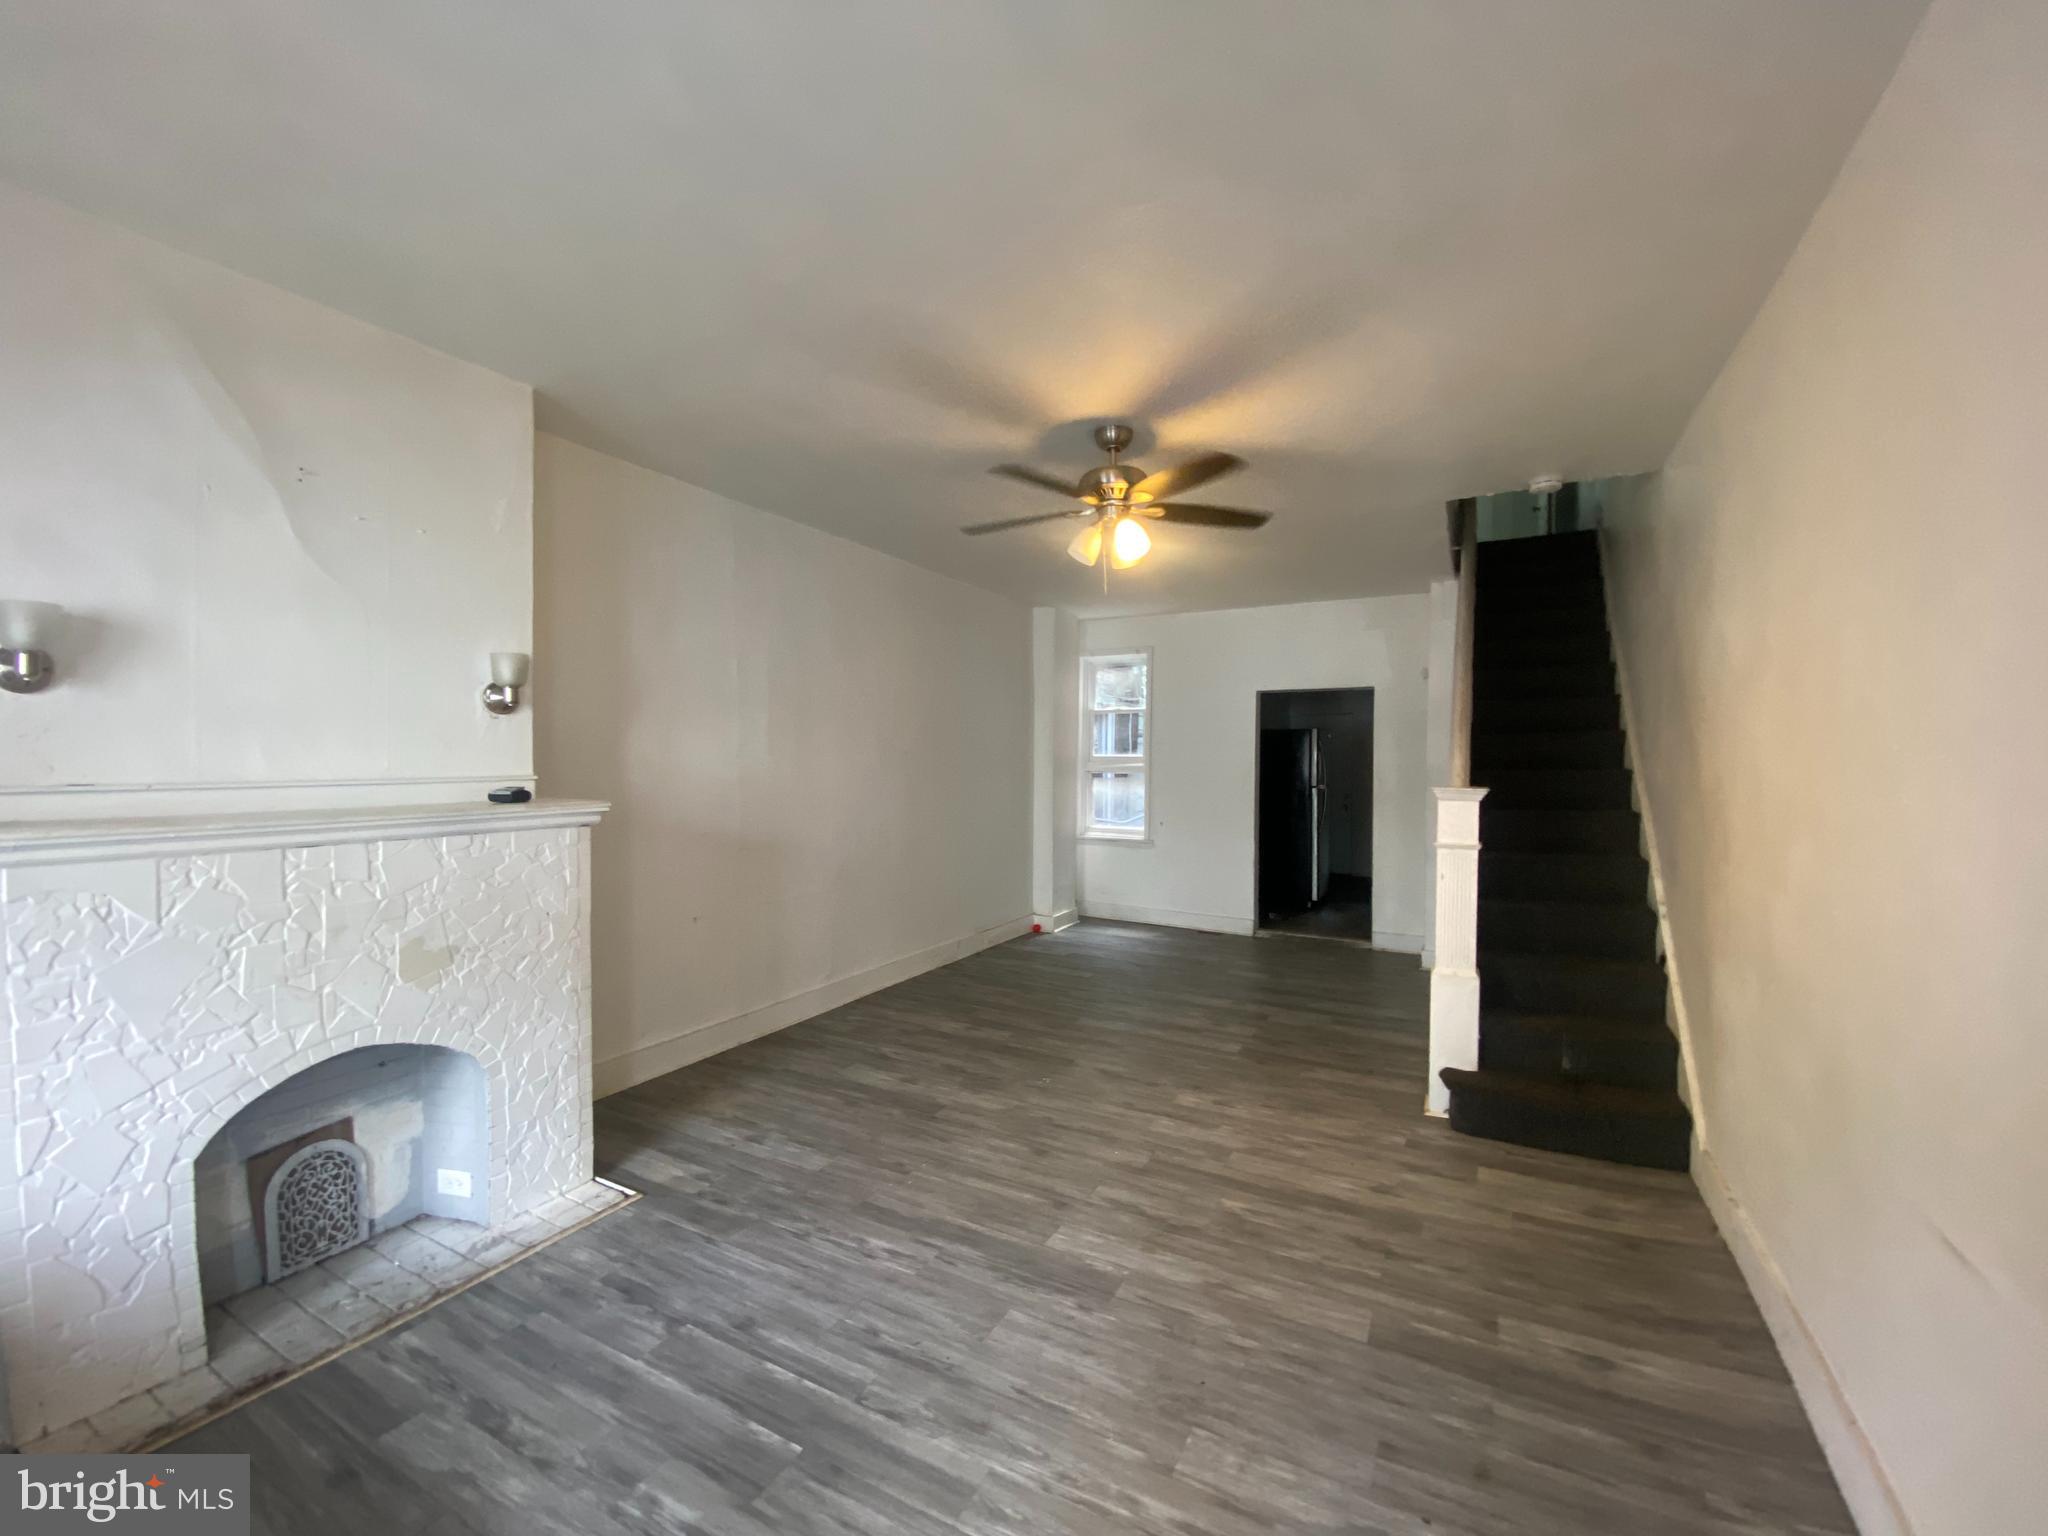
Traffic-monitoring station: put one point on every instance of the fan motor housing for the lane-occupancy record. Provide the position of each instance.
(1112, 482)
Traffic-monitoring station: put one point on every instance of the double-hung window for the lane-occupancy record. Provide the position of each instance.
(1116, 695)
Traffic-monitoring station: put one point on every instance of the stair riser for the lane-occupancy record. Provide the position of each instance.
(1545, 749)
(1497, 555)
(1558, 789)
(1511, 830)
(1592, 712)
(1504, 562)
(1646, 1143)
(1560, 1056)
(1618, 932)
(1580, 682)
(1560, 581)
(1586, 539)
(1540, 984)
(1577, 610)
(1570, 604)
(1540, 650)
(1511, 876)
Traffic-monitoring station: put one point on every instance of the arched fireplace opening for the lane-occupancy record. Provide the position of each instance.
(350, 1147)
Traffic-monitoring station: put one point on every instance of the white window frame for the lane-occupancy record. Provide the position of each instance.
(1090, 765)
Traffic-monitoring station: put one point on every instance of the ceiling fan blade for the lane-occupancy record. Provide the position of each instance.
(1018, 522)
(1037, 477)
(1168, 483)
(1199, 516)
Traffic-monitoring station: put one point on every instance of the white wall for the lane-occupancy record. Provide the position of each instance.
(1207, 672)
(1830, 608)
(819, 757)
(1055, 741)
(290, 538)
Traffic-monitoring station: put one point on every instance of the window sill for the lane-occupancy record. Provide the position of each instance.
(1112, 840)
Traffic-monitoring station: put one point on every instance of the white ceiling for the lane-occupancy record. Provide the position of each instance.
(835, 260)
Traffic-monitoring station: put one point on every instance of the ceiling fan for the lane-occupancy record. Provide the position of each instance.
(1116, 498)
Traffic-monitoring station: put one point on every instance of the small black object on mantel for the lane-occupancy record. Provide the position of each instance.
(511, 794)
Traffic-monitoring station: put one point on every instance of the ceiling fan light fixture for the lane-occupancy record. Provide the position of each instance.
(1118, 498)
(1129, 544)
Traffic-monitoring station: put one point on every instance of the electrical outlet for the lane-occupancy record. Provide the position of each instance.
(452, 1181)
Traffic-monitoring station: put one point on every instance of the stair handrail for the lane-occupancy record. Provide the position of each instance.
(1467, 559)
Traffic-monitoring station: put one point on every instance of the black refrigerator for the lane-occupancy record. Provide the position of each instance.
(1294, 856)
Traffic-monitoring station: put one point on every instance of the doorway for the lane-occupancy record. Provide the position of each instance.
(1313, 872)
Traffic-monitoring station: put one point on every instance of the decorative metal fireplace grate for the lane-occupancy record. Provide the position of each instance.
(316, 1204)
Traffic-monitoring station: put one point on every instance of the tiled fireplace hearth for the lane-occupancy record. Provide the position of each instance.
(179, 990)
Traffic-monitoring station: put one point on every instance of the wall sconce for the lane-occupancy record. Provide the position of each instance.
(508, 676)
(25, 630)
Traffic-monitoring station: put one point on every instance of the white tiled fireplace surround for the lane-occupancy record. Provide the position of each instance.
(163, 973)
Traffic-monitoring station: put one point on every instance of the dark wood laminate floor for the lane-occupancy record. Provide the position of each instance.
(1121, 1230)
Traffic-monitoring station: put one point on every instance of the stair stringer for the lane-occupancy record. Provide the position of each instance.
(1676, 1017)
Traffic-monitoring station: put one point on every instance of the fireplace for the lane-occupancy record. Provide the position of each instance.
(354, 1146)
(399, 999)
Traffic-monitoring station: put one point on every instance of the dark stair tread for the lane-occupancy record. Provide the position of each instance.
(1580, 1047)
(1535, 829)
(1560, 862)
(1549, 981)
(1589, 747)
(1591, 1025)
(1596, 694)
(1539, 715)
(1570, 1096)
(1618, 906)
(1578, 562)
(1524, 601)
(1543, 875)
(1531, 651)
(1543, 543)
(1581, 679)
(1536, 611)
(1557, 927)
(1578, 577)
(1568, 788)
(1612, 965)
(1645, 1127)
(1508, 739)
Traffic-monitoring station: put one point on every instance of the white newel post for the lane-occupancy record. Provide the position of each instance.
(1454, 982)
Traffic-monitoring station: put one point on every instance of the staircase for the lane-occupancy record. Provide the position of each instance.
(1574, 1051)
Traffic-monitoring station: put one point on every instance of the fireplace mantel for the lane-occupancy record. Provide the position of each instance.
(28, 844)
(164, 971)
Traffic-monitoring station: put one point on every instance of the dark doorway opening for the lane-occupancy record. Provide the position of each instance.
(1314, 843)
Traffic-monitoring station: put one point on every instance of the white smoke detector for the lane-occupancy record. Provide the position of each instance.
(1545, 485)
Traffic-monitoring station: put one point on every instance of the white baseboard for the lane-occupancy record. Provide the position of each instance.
(1399, 943)
(1681, 1021)
(1853, 1459)
(1057, 922)
(1167, 917)
(616, 1073)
